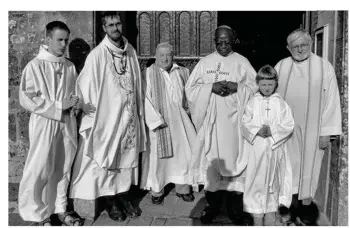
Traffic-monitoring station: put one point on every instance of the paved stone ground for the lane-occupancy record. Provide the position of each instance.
(173, 212)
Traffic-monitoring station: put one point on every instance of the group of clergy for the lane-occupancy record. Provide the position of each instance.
(188, 129)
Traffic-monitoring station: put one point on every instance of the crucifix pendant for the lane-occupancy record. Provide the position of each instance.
(267, 109)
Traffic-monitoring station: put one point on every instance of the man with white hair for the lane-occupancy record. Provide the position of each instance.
(309, 85)
(171, 132)
(217, 92)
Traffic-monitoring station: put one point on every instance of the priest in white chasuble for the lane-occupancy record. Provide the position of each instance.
(309, 85)
(217, 91)
(171, 133)
(112, 127)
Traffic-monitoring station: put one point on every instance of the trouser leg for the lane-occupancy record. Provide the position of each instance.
(157, 194)
(182, 188)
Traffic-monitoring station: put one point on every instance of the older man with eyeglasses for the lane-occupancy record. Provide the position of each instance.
(309, 85)
(217, 92)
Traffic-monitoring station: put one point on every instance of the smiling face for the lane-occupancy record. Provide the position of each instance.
(300, 48)
(57, 42)
(164, 58)
(224, 41)
(267, 86)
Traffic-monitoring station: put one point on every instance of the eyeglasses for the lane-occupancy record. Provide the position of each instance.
(113, 25)
(302, 46)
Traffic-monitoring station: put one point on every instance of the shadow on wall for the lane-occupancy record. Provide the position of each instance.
(78, 51)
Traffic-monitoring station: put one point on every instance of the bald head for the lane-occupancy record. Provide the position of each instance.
(224, 29)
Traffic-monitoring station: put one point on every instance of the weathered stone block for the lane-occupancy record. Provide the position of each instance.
(12, 127)
(13, 92)
(16, 168)
(14, 105)
(140, 221)
(23, 123)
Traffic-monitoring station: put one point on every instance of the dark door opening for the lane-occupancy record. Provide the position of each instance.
(130, 30)
(262, 34)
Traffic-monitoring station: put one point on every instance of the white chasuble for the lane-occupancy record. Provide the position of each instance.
(219, 156)
(113, 135)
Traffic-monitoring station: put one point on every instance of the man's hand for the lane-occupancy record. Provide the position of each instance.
(323, 142)
(220, 89)
(232, 86)
(89, 109)
(264, 131)
(69, 102)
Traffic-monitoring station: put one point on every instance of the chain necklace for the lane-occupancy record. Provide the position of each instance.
(123, 61)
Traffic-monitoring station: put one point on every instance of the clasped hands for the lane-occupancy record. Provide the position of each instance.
(224, 88)
(264, 131)
(74, 105)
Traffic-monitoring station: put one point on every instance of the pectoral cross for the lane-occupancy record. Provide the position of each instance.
(267, 110)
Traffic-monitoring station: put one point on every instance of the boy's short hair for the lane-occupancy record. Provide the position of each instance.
(267, 72)
(110, 14)
(53, 25)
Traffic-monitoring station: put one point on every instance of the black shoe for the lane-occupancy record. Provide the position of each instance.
(129, 209)
(309, 214)
(157, 199)
(115, 213)
(208, 215)
(186, 197)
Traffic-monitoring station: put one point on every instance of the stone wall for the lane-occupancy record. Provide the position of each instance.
(332, 192)
(26, 33)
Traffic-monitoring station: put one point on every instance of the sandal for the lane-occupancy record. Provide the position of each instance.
(75, 218)
(47, 220)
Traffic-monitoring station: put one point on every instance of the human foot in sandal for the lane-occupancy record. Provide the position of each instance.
(70, 218)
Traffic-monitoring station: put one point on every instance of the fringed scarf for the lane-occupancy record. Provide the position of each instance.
(164, 145)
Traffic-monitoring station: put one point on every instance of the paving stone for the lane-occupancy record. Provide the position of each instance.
(158, 221)
(152, 210)
(16, 220)
(176, 222)
(140, 221)
(105, 220)
(88, 222)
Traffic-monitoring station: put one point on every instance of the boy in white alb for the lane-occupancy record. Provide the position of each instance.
(266, 125)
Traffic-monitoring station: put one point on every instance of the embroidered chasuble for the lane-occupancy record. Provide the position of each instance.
(219, 151)
(114, 134)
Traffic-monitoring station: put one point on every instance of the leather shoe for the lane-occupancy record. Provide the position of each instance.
(129, 209)
(115, 213)
(157, 199)
(208, 215)
(186, 197)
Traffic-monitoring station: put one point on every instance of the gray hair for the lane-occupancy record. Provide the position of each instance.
(296, 34)
(165, 45)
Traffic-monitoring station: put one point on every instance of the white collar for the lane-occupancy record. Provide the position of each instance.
(114, 48)
(44, 54)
